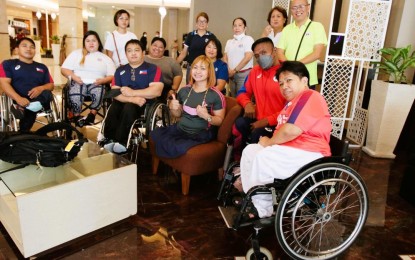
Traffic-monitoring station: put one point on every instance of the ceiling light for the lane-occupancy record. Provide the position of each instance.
(38, 14)
(53, 16)
(162, 11)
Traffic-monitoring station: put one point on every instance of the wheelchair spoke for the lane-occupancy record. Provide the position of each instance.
(321, 212)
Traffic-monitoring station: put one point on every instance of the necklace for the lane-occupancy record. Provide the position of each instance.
(188, 95)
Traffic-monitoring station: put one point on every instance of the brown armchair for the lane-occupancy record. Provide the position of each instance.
(203, 158)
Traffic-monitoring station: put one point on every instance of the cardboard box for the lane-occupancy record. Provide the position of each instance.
(43, 208)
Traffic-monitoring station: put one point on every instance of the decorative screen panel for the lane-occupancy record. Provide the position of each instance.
(283, 3)
(356, 130)
(336, 85)
(366, 28)
(337, 128)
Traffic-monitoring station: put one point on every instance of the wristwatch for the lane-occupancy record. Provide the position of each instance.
(209, 119)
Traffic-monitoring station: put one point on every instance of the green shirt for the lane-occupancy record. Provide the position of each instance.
(191, 123)
(290, 40)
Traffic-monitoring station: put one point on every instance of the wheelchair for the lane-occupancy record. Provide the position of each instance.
(319, 211)
(10, 123)
(156, 114)
(66, 112)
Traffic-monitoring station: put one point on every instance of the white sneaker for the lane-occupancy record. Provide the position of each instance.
(109, 147)
(119, 148)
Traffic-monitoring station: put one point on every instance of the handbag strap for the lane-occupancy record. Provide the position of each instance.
(116, 48)
(299, 46)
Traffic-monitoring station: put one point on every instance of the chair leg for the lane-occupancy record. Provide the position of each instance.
(185, 183)
(155, 164)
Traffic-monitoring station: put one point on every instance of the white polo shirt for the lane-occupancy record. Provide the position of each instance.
(96, 65)
(236, 49)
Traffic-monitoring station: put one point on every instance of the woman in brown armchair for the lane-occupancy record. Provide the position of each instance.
(201, 109)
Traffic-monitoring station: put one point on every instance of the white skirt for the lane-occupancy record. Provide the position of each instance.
(261, 165)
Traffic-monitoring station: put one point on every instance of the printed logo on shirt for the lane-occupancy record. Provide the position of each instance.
(216, 69)
(206, 40)
(122, 72)
(39, 70)
(307, 33)
(240, 45)
(99, 59)
(17, 67)
(282, 117)
(143, 72)
(259, 76)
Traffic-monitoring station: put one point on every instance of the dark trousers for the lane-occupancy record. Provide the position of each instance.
(243, 125)
(29, 117)
(120, 118)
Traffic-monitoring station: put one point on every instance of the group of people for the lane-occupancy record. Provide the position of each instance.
(285, 123)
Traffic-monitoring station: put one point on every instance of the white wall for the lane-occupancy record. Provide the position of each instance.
(221, 14)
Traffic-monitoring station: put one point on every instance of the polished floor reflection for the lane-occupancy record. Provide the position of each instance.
(171, 226)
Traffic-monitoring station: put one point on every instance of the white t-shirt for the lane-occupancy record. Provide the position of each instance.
(96, 65)
(275, 38)
(121, 40)
(235, 50)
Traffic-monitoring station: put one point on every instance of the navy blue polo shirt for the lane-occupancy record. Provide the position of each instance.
(143, 76)
(196, 44)
(25, 76)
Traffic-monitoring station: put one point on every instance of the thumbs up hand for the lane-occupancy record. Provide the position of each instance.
(202, 111)
(174, 103)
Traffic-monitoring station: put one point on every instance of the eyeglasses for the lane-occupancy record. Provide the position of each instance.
(298, 7)
(202, 22)
(132, 74)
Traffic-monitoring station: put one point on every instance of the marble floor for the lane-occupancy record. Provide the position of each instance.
(169, 225)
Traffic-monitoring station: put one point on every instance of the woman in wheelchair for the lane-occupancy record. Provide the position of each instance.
(201, 108)
(87, 70)
(302, 136)
(134, 85)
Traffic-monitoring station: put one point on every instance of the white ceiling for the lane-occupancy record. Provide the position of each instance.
(53, 6)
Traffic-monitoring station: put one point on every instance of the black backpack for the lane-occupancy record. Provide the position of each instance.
(38, 148)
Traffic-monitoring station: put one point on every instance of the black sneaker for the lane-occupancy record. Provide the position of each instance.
(87, 120)
(90, 119)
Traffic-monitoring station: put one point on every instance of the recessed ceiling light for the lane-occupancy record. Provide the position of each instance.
(23, 6)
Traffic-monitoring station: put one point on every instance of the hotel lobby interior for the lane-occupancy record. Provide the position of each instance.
(170, 225)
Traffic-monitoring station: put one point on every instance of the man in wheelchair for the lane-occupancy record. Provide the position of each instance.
(134, 85)
(28, 83)
(302, 136)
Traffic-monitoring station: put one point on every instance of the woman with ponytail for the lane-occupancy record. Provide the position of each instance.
(87, 70)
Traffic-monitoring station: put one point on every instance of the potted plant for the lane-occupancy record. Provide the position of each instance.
(56, 48)
(55, 39)
(390, 102)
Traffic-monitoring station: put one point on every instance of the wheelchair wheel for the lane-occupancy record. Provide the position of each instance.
(321, 212)
(8, 121)
(265, 254)
(158, 116)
